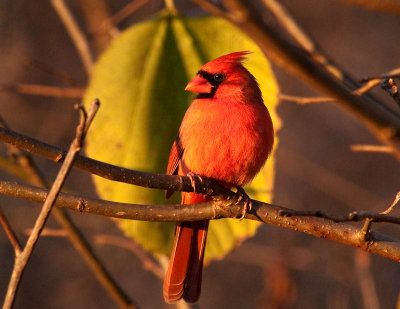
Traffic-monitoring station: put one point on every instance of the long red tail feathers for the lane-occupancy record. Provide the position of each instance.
(184, 275)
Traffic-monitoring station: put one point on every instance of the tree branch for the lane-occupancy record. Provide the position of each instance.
(319, 227)
(162, 213)
(377, 243)
(109, 171)
(75, 33)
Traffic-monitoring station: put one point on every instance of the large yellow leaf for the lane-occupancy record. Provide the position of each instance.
(140, 81)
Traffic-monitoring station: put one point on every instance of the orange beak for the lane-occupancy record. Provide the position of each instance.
(199, 84)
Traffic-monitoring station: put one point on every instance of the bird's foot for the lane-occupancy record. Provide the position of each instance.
(243, 196)
(193, 179)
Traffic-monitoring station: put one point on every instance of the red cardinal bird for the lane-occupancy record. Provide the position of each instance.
(226, 134)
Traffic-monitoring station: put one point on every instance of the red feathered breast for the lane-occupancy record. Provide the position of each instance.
(226, 141)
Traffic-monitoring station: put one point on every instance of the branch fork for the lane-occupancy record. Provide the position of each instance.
(22, 259)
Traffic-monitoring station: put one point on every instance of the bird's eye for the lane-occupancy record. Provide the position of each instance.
(219, 77)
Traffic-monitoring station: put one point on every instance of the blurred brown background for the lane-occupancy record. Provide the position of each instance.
(315, 170)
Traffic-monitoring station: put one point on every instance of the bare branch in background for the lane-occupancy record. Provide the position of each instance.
(43, 90)
(39, 66)
(369, 294)
(10, 234)
(50, 232)
(94, 13)
(304, 100)
(147, 262)
(388, 6)
(389, 85)
(110, 24)
(75, 33)
(304, 39)
(370, 148)
(318, 55)
(394, 204)
(103, 239)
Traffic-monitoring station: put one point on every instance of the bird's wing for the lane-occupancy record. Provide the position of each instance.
(174, 160)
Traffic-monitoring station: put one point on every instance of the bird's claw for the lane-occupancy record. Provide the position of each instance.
(243, 196)
(193, 178)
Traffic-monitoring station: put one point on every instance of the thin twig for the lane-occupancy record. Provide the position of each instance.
(75, 33)
(104, 239)
(37, 65)
(394, 204)
(304, 100)
(109, 25)
(22, 260)
(389, 85)
(10, 234)
(371, 82)
(370, 148)
(131, 245)
(308, 100)
(211, 8)
(43, 90)
(50, 232)
(392, 74)
(125, 12)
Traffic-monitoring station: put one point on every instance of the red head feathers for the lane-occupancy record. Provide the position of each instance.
(232, 58)
(226, 77)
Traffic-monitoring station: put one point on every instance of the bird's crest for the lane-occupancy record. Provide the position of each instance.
(229, 59)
